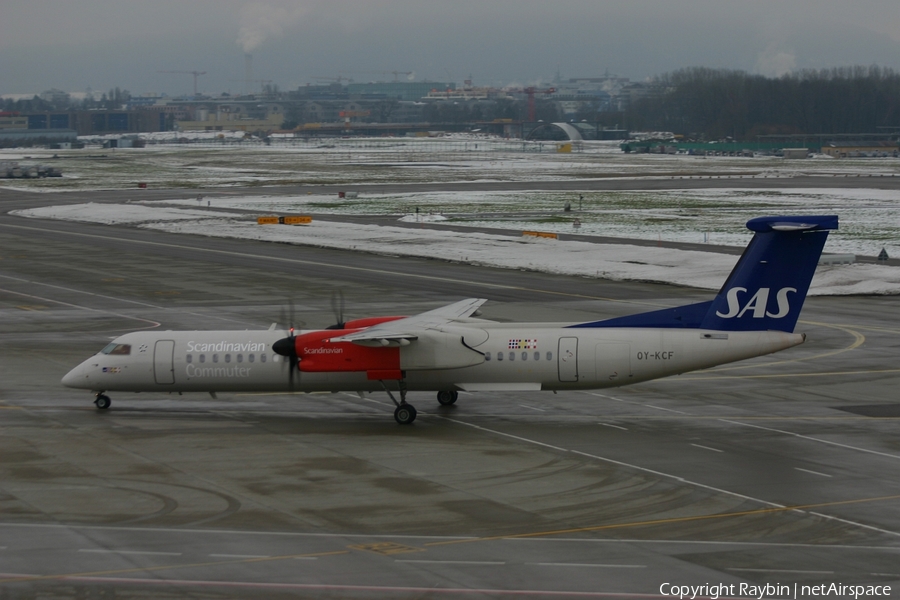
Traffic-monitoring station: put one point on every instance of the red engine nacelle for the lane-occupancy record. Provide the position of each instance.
(318, 355)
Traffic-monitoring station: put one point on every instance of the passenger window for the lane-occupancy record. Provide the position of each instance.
(537, 356)
(215, 358)
(524, 356)
(250, 358)
(499, 356)
(228, 358)
(203, 358)
(549, 356)
(487, 356)
(240, 357)
(262, 358)
(189, 359)
(512, 356)
(114, 348)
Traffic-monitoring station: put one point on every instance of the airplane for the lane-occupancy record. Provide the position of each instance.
(450, 349)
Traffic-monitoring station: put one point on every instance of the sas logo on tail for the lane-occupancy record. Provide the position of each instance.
(758, 304)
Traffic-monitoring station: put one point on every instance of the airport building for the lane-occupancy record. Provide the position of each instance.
(861, 149)
(397, 90)
(13, 120)
(36, 137)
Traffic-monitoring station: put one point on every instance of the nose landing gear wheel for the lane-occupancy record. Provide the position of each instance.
(446, 397)
(405, 414)
(102, 401)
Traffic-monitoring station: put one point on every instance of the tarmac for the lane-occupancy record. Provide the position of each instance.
(782, 470)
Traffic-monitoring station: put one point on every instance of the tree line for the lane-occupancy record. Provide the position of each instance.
(713, 104)
(115, 99)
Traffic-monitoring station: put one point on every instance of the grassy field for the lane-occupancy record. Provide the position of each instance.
(870, 220)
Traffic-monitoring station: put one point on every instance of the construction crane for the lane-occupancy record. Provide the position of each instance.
(196, 74)
(530, 92)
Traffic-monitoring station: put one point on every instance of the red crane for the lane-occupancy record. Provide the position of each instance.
(530, 92)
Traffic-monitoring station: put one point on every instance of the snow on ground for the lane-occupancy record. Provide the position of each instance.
(117, 214)
(608, 261)
(230, 161)
(869, 220)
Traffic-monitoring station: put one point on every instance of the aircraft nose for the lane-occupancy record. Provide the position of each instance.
(75, 378)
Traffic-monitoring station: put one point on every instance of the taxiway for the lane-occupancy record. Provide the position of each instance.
(781, 469)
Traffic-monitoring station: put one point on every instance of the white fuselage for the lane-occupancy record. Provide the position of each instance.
(526, 356)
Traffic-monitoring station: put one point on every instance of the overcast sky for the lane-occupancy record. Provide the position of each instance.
(76, 44)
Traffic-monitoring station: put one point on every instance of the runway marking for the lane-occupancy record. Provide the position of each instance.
(589, 565)
(65, 289)
(239, 555)
(126, 300)
(343, 266)
(858, 340)
(707, 448)
(386, 589)
(101, 551)
(582, 540)
(779, 571)
(812, 439)
(533, 408)
(743, 513)
(386, 548)
(667, 409)
(671, 410)
(773, 507)
(785, 375)
(100, 574)
(614, 426)
(885, 574)
(230, 531)
(69, 304)
(454, 562)
(813, 472)
(864, 327)
(610, 397)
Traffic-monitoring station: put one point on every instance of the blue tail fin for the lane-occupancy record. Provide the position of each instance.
(766, 288)
(768, 285)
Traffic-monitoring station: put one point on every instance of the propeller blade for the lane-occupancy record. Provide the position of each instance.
(337, 307)
(287, 347)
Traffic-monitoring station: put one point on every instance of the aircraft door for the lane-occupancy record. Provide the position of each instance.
(568, 359)
(164, 362)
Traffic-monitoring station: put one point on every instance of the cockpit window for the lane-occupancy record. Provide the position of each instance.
(114, 348)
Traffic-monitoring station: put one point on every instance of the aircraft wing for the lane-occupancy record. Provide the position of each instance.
(402, 331)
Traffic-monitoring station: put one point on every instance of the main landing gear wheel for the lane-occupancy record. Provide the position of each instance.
(102, 401)
(405, 414)
(446, 397)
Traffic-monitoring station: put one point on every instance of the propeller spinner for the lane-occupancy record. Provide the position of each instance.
(287, 347)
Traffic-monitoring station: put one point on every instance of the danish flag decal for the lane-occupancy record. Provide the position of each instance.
(758, 304)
